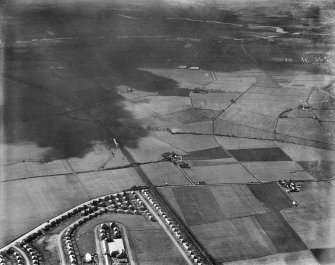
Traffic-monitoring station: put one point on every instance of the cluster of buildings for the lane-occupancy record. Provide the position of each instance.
(111, 243)
(289, 185)
(176, 159)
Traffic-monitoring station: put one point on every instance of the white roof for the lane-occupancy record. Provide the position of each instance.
(116, 245)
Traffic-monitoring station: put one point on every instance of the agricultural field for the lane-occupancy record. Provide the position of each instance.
(39, 199)
(164, 172)
(224, 172)
(259, 154)
(277, 170)
(213, 101)
(295, 258)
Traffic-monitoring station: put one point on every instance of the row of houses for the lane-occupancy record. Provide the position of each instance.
(191, 251)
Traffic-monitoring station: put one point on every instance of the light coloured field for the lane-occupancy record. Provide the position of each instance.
(27, 203)
(277, 170)
(315, 193)
(237, 201)
(212, 101)
(138, 110)
(295, 258)
(269, 103)
(192, 115)
(39, 199)
(226, 173)
(304, 128)
(157, 121)
(205, 127)
(105, 182)
(99, 156)
(314, 224)
(163, 105)
(34, 169)
(232, 84)
(242, 143)
(228, 128)
(185, 142)
(192, 77)
(309, 80)
(164, 172)
(306, 153)
(151, 149)
(237, 115)
(236, 239)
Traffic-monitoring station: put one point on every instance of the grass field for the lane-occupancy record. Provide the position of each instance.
(207, 154)
(185, 142)
(294, 258)
(230, 143)
(34, 169)
(231, 84)
(314, 224)
(164, 172)
(315, 193)
(192, 115)
(320, 170)
(151, 149)
(223, 173)
(146, 239)
(205, 127)
(276, 170)
(259, 154)
(212, 101)
(271, 195)
(235, 239)
(39, 199)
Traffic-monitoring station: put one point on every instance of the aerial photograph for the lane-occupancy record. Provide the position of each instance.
(167, 132)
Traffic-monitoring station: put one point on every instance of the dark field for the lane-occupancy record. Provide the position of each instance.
(271, 195)
(282, 236)
(259, 154)
(197, 205)
(206, 154)
(325, 256)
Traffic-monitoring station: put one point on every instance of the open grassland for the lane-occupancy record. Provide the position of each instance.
(146, 239)
(187, 143)
(207, 154)
(205, 127)
(235, 239)
(306, 153)
(277, 170)
(186, 78)
(259, 120)
(228, 83)
(314, 224)
(320, 169)
(151, 149)
(192, 115)
(231, 143)
(295, 258)
(164, 172)
(315, 193)
(101, 156)
(213, 101)
(22, 170)
(39, 199)
(223, 173)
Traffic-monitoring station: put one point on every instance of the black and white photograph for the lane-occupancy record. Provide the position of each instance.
(167, 132)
